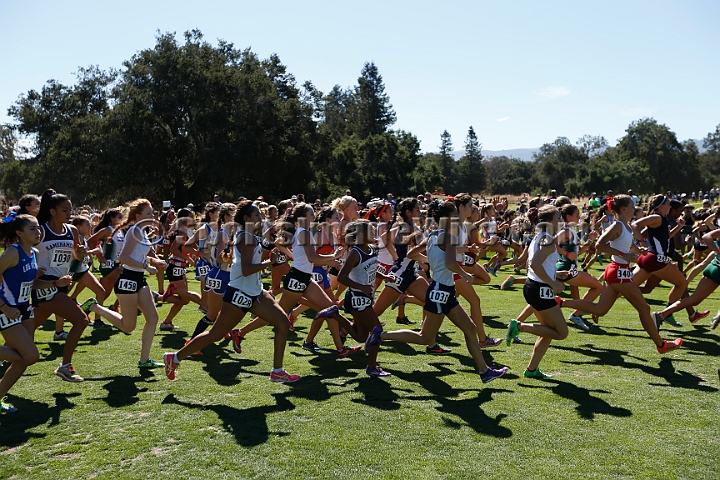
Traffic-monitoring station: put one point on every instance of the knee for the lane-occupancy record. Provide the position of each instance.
(562, 333)
(31, 358)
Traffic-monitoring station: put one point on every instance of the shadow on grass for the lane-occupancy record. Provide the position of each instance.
(15, 427)
(249, 426)
(617, 358)
(588, 405)
(123, 390)
(490, 321)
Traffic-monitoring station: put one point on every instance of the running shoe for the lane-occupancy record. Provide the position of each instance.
(505, 285)
(169, 292)
(7, 408)
(60, 336)
(156, 297)
(283, 377)
(715, 321)
(436, 349)
(516, 339)
(167, 327)
(667, 346)
(513, 331)
(698, 315)
(399, 301)
(311, 347)
(328, 312)
(377, 372)
(292, 320)
(492, 271)
(149, 363)
(600, 259)
(578, 320)
(404, 321)
(68, 373)
(657, 317)
(373, 339)
(195, 354)
(491, 342)
(237, 340)
(202, 309)
(346, 351)
(493, 373)
(100, 325)
(671, 320)
(88, 304)
(536, 374)
(170, 365)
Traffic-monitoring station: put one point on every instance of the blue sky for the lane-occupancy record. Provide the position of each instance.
(522, 72)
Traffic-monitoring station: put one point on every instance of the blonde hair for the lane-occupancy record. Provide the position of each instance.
(343, 202)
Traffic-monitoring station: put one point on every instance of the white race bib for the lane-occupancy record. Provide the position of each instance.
(127, 285)
(6, 322)
(296, 286)
(203, 270)
(213, 283)
(46, 293)
(546, 293)
(624, 274)
(241, 300)
(60, 258)
(439, 296)
(317, 277)
(178, 272)
(360, 302)
(25, 291)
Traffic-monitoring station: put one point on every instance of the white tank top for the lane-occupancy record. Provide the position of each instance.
(55, 252)
(549, 263)
(251, 285)
(462, 240)
(364, 272)
(384, 255)
(436, 257)
(301, 261)
(622, 243)
(142, 247)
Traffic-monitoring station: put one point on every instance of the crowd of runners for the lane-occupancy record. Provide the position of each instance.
(348, 263)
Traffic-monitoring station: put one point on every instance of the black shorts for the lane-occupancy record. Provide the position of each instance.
(42, 295)
(174, 273)
(129, 282)
(239, 299)
(440, 298)
(403, 281)
(296, 281)
(78, 275)
(571, 269)
(356, 301)
(26, 313)
(107, 267)
(540, 296)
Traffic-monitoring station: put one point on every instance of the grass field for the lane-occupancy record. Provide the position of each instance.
(614, 409)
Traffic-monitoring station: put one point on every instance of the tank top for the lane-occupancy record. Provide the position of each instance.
(659, 238)
(81, 266)
(402, 263)
(549, 263)
(461, 241)
(251, 285)
(366, 269)
(224, 266)
(384, 255)
(174, 260)
(207, 244)
(142, 247)
(301, 261)
(17, 281)
(570, 246)
(55, 252)
(326, 247)
(436, 257)
(622, 243)
(113, 247)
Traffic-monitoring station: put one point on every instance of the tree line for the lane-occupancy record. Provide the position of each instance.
(185, 120)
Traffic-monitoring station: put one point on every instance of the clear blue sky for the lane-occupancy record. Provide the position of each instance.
(521, 72)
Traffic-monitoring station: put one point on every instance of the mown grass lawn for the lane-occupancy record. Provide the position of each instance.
(614, 409)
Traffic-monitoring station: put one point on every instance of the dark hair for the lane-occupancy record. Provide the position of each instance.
(462, 199)
(25, 202)
(654, 202)
(547, 213)
(325, 213)
(243, 208)
(441, 210)
(561, 201)
(79, 220)
(407, 205)
(107, 217)
(8, 230)
(209, 208)
(287, 226)
(567, 210)
(184, 212)
(50, 200)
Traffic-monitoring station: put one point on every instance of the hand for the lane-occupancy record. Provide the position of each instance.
(11, 312)
(630, 257)
(468, 278)
(557, 287)
(339, 252)
(593, 235)
(63, 281)
(562, 275)
(81, 250)
(156, 262)
(151, 270)
(367, 290)
(274, 255)
(681, 222)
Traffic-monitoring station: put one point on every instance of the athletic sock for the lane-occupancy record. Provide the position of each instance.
(201, 326)
(277, 370)
(175, 359)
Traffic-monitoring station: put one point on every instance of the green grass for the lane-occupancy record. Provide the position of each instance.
(614, 409)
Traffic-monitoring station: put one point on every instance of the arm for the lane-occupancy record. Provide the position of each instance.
(344, 276)
(176, 251)
(651, 221)
(709, 239)
(148, 264)
(8, 259)
(451, 256)
(312, 255)
(417, 253)
(101, 234)
(678, 227)
(603, 245)
(388, 238)
(562, 236)
(247, 250)
(546, 247)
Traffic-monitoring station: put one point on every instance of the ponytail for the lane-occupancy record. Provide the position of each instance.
(49, 201)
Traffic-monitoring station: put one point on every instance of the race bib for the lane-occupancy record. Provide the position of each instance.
(573, 271)
(25, 291)
(241, 300)
(360, 302)
(109, 264)
(468, 260)
(664, 259)
(317, 277)
(60, 258)
(371, 277)
(624, 274)
(203, 270)
(546, 293)
(382, 269)
(127, 285)
(281, 259)
(213, 283)
(296, 286)
(178, 272)
(6, 322)
(46, 293)
(398, 280)
(439, 296)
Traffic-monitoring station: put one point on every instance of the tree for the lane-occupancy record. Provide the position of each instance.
(373, 114)
(471, 171)
(509, 175)
(447, 165)
(709, 161)
(556, 164)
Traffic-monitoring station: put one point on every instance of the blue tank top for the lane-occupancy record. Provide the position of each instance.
(659, 238)
(17, 281)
